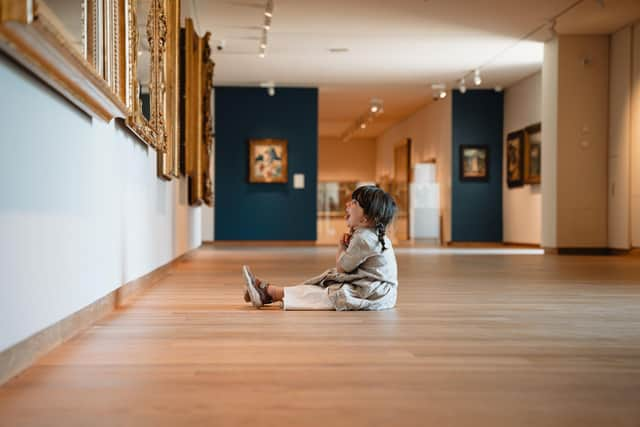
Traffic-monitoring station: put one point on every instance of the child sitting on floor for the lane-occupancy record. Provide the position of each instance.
(366, 274)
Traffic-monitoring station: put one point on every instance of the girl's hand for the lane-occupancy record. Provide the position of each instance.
(346, 238)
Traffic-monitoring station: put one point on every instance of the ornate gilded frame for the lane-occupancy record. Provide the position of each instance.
(32, 34)
(150, 131)
(207, 117)
(197, 115)
(169, 161)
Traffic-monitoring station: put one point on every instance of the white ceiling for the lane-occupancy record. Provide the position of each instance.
(397, 49)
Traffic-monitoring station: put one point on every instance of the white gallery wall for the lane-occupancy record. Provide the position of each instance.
(619, 160)
(635, 139)
(430, 131)
(549, 164)
(575, 135)
(624, 139)
(81, 208)
(522, 206)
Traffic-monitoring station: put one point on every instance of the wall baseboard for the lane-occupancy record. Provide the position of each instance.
(588, 251)
(22, 355)
(261, 243)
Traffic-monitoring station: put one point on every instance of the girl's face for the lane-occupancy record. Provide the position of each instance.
(355, 215)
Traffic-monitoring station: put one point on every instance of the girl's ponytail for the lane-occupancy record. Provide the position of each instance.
(380, 230)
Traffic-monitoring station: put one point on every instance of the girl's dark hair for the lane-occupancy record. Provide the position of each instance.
(378, 206)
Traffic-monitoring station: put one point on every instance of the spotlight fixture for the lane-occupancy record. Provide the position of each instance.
(498, 88)
(439, 91)
(477, 79)
(270, 87)
(374, 110)
(268, 11)
(375, 105)
(462, 86)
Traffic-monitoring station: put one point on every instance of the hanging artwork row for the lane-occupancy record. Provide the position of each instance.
(524, 156)
(120, 59)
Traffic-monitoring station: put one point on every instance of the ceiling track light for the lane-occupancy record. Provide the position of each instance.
(268, 15)
(375, 109)
(376, 106)
(477, 78)
(268, 11)
(439, 91)
(270, 87)
(462, 86)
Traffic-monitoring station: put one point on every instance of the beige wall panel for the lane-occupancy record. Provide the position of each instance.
(619, 139)
(550, 141)
(583, 101)
(354, 160)
(522, 206)
(635, 140)
(430, 131)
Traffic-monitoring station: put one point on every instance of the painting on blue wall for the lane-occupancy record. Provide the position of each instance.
(268, 161)
(474, 163)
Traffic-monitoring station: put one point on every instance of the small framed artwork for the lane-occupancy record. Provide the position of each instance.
(533, 154)
(515, 164)
(474, 163)
(268, 161)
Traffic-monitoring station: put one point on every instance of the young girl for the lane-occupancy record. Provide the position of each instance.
(366, 274)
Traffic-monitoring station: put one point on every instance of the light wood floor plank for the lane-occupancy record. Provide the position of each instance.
(474, 341)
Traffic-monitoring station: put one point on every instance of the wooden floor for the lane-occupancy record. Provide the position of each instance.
(474, 341)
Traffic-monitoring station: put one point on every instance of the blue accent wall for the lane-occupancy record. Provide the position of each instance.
(245, 211)
(476, 207)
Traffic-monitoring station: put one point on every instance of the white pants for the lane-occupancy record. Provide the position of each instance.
(306, 297)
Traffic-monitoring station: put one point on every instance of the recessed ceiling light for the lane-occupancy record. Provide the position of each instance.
(339, 50)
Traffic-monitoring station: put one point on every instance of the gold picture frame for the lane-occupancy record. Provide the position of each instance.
(533, 154)
(207, 117)
(196, 83)
(152, 130)
(34, 36)
(169, 161)
(514, 149)
(268, 161)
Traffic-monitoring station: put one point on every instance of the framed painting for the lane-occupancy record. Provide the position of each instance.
(268, 161)
(514, 156)
(474, 163)
(533, 154)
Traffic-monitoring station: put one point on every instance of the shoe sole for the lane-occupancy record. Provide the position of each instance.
(253, 293)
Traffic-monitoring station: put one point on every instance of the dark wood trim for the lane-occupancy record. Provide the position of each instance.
(20, 356)
(525, 245)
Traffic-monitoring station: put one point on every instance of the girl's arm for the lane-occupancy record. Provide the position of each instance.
(342, 247)
(349, 258)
